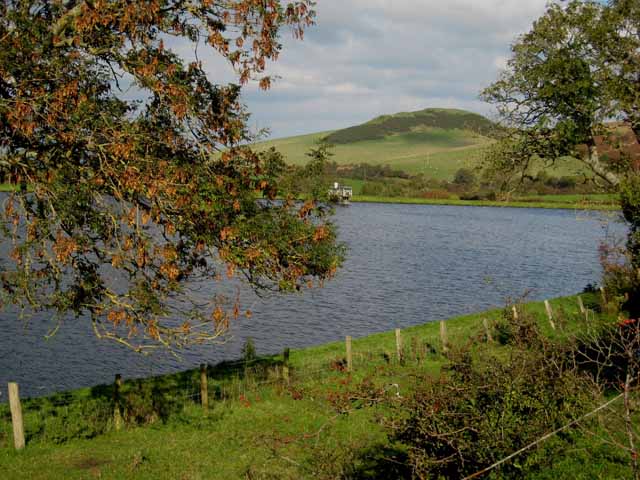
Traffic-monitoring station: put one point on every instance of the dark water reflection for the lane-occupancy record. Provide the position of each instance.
(407, 264)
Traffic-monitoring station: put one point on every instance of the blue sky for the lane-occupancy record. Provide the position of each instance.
(370, 57)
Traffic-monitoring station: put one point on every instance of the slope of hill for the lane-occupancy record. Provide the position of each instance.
(436, 142)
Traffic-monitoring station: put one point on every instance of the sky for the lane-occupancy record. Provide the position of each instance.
(365, 58)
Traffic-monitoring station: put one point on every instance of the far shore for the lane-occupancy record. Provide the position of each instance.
(577, 202)
(585, 204)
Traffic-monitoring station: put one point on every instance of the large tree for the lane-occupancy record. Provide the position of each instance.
(572, 88)
(123, 204)
(573, 73)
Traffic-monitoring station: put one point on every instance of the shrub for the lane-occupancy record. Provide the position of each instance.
(249, 351)
(471, 196)
(522, 331)
(464, 177)
(485, 410)
(436, 195)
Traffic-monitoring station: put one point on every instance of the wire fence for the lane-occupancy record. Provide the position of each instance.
(103, 408)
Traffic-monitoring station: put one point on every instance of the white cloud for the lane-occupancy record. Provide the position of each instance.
(369, 57)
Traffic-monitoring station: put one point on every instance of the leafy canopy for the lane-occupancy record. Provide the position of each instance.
(125, 205)
(577, 69)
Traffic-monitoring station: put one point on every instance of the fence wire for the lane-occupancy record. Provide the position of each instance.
(64, 416)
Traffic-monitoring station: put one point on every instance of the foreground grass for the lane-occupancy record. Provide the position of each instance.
(265, 428)
(573, 202)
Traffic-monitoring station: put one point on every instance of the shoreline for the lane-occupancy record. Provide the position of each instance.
(586, 205)
(488, 203)
(164, 420)
(464, 325)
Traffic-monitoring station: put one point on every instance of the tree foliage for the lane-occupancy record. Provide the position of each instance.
(575, 70)
(464, 177)
(124, 204)
(568, 79)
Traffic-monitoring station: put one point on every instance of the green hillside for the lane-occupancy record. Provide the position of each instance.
(434, 144)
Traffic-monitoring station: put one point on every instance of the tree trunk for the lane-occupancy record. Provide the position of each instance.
(592, 160)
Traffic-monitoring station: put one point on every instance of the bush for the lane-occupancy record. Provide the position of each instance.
(249, 351)
(436, 195)
(464, 177)
(471, 196)
(486, 409)
(522, 332)
(620, 278)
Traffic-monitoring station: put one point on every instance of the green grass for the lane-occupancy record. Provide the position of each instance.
(436, 152)
(272, 430)
(434, 142)
(7, 187)
(572, 202)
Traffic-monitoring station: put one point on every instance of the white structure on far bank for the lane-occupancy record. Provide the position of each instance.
(340, 194)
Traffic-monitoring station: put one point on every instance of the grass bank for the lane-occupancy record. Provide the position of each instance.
(259, 425)
(572, 202)
(7, 187)
(604, 202)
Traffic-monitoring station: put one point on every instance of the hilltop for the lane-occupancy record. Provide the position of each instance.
(421, 124)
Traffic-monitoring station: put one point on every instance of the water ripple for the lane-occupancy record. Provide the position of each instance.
(407, 264)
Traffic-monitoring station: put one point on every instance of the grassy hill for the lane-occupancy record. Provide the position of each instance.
(436, 142)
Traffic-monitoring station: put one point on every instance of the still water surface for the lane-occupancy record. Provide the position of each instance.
(407, 264)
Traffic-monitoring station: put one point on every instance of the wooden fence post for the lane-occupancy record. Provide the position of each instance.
(515, 312)
(285, 365)
(399, 352)
(547, 306)
(16, 416)
(487, 330)
(349, 354)
(581, 305)
(443, 336)
(204, 389)
(117, 416)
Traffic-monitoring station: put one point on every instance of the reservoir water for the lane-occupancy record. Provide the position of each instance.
(406, 265)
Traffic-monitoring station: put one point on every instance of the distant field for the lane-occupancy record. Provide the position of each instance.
(435, 142)
(571, 202)
(595, 198)
(437, 153)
